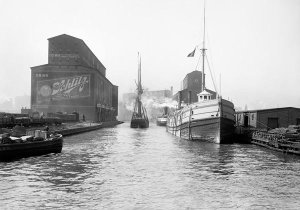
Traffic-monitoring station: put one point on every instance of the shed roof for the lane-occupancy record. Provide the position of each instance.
(265, 110)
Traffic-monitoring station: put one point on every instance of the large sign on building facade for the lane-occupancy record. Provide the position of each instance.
(66, 88)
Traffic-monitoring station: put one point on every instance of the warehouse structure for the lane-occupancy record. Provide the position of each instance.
(73, 80)
(268, 118)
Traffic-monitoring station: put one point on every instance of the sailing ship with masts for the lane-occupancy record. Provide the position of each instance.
(210, 119)
(139, 116)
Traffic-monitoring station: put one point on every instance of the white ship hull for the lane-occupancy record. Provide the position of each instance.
(211, 120)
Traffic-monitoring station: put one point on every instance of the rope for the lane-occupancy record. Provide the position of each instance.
(264, 124)
(211, 74)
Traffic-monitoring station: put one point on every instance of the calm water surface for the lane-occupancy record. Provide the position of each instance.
(123, 168)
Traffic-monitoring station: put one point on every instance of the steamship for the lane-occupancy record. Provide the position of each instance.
(209, 119)
(162, 119)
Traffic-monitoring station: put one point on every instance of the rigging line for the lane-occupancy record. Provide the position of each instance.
(210, 53)
(212, 77)
(212, 70)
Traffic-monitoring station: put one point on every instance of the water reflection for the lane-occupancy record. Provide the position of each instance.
(208, 157)
(138, 136)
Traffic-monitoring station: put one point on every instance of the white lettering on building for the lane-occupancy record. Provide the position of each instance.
(65, 86)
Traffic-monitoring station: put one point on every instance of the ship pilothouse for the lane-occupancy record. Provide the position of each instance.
(204, 96)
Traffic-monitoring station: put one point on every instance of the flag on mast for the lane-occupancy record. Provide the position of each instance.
(192, 53)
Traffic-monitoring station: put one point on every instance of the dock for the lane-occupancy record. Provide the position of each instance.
(69, 129)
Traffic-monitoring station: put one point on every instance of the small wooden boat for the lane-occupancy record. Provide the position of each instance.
(25, 146)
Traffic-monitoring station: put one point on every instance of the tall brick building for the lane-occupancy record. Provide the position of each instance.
(73, 80)
(191, 86)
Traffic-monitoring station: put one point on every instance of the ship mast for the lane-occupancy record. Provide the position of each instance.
(140, 90)
(203, 51)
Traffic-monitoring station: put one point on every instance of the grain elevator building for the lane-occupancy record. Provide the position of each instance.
(73, 80)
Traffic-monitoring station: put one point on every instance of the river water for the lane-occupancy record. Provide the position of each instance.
(123, 168)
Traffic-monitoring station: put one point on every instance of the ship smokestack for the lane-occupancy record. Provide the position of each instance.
(190, 97)
(179, 99)
(165, 110)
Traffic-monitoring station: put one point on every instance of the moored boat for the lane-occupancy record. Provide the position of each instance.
(162, 120)
(210, 118)
(28, 145)
(139, 117)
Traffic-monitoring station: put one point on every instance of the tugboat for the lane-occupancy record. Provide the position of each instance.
(208, 119)
(139, 117)
(162, 120)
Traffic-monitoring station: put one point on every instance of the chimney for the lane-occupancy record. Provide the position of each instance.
(165, 110)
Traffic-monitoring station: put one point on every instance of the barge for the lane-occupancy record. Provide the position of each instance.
(26, 146)
(287, 142)
(18, 143)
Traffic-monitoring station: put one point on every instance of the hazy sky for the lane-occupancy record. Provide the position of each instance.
(253, 44)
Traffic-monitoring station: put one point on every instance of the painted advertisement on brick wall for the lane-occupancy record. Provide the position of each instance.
(60, 89)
